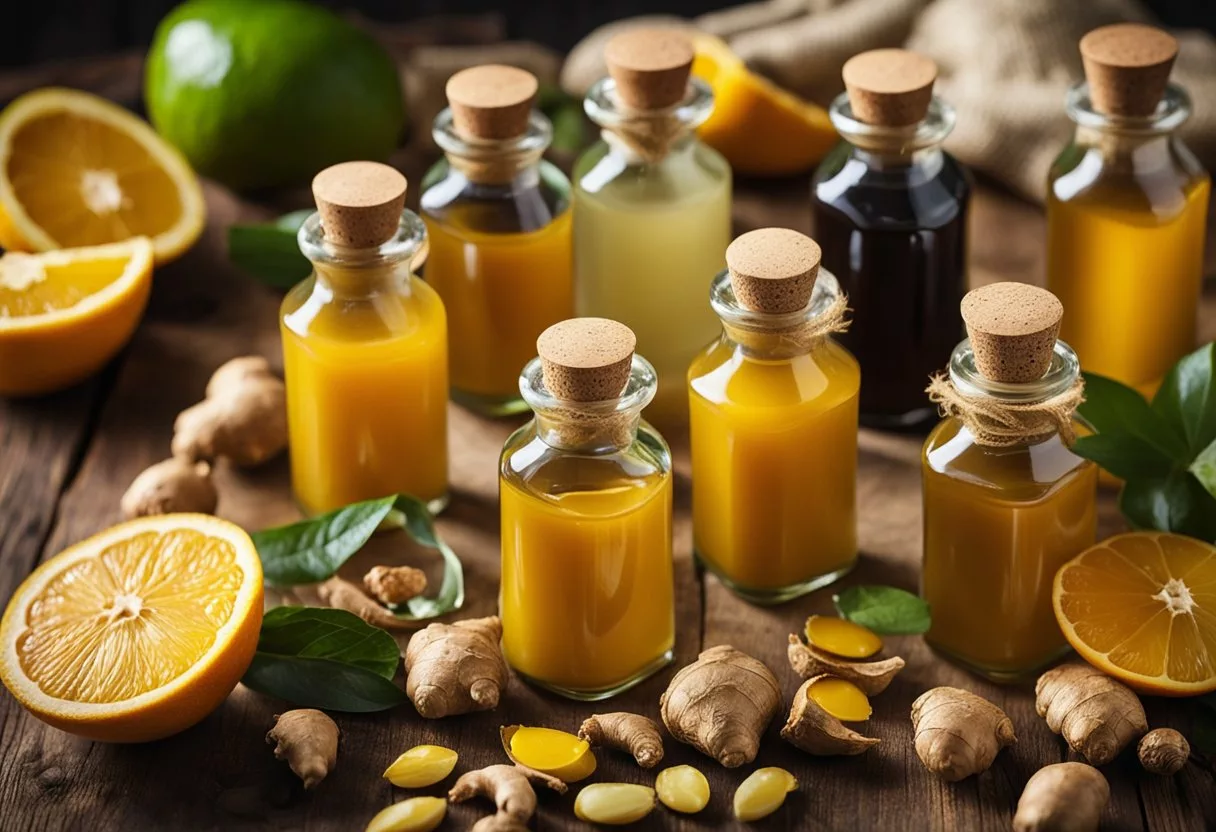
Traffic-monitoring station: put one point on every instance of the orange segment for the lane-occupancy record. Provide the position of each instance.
(1142, 607)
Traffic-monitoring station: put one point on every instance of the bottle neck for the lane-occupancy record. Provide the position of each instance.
(894, 147)
(496, 164)
(1133, 143)
(353, 273)
(589, 427)
(648, 136)
(767, 336)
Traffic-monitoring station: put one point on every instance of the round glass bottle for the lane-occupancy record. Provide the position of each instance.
(587, 597)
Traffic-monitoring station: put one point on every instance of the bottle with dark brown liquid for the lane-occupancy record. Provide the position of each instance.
(890, 209)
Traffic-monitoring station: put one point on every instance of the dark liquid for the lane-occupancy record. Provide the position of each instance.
(896, 239)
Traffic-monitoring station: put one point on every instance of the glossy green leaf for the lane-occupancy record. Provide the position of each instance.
(323, 633)
(1204, 468)
(1187, 398)
(1116, 410)
(313, 550)
(417, 521)
(886, 610)
(1174, 503)
(1123, 455)
(270, 251)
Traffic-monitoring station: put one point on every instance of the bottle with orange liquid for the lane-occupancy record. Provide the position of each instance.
(498, 220)
(1126, 210)
(587, 598)
(773, 424)
(1006, 503)
(365, 349)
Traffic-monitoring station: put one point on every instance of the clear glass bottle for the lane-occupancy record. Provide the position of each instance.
(890, 212)
(773, 428)
(651, 216)
(587, 597)
(498, 220)
(1126, 215)
(364, 350)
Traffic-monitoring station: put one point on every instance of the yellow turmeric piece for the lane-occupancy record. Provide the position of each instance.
(840, 698)
(841, 637)
(549, 751)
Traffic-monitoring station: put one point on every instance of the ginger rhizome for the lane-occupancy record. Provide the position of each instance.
(421, 766)
(632, 733)
(721, 704)
(549, 751)
(1163, 751)
(1095, 714)
(510, 787)
(394, 584)
(339, 593)
(817, 732)
(172, 486)
(1064, 797)
(872, 677)
(958, 734)
(456, 668)
(243, 417)
(841, 637)
(308, 740)
(614, 804)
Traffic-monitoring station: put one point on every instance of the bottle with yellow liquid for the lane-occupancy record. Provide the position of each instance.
(587, 599)
(1126, 209)
(773, 424)
(365, 349)
(498, 221)
(651, 209)
(1006, 502)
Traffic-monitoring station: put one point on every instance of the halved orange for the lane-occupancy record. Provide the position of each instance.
(77, 170)
(138, 632)
(1141, 607)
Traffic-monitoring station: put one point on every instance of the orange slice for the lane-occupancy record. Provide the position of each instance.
(1141, 607)
(138, 632)
(64, 314)
(77, 170)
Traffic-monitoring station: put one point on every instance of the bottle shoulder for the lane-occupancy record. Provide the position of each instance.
(411, 309)
(532, 202)
(724, 373)
(1156, 180)
(534, 466)
(691, 173)
(928, 193)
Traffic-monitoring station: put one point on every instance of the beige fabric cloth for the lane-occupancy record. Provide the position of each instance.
(1005, 65)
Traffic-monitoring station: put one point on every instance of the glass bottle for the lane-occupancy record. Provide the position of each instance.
(651, 209)
(364, 349)
(498, 221)
(587, 599)
(1001, 517)
(773, 424)
(890, 212)
(1126, 212)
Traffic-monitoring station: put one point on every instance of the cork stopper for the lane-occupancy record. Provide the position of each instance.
(360, 203)
(1127, 66)
(773, 269)
(586, 359)
(889, 87)
(1013, 329)
(491, 101)
(650, 67)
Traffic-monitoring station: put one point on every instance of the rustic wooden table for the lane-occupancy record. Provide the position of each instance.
(65, 459)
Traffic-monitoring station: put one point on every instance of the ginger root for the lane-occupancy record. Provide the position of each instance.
(958, 734)
(815, 731)
(342, 594)
(394, 584)
(243, 417)
(456, 668)
(1163, 751)
(633, 733)
(1064, 797)
(510, 787)
(1096, 715)
(308, 740)
(721, 704)
(171, 486)
(873, 677)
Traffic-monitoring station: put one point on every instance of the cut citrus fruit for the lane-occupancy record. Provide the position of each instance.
(138, 632)
(64, 314)
(77, 170)
(761, 129)
(1141, 607)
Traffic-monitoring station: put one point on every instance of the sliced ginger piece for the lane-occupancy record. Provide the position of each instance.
(840, 698)
(682, 789)
(614, 804)
(762, 793)
(421, 766)
(817, 732)
(873, 677)
(841, 637)
(549, 751)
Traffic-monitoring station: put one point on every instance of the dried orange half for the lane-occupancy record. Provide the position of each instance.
(1141, 607)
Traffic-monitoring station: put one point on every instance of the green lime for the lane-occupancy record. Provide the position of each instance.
(258, 93)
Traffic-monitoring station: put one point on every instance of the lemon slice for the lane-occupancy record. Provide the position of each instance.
(77, 170)
(138, 632)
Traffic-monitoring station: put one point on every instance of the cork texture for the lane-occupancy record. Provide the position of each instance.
(360, 203)
(491, 101)
(1013, 329)
(586, 359)
(889, 87)
(650, 67)
(773, 269)
(1128, 67)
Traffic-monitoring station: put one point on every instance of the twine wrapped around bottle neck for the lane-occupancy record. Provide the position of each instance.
(649, 136)
(796, 339)
(1000, 423)
(582, 428)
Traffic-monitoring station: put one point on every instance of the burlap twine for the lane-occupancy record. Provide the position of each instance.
(649, 136)
(592, 425)
(798, 338)
(1002, 424)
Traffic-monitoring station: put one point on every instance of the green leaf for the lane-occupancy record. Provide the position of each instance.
(313, 550)
(1204, 468)
(421, 527)
(1126, 456)
(1117, 410)
(269, 251)
(1187, 398)
(886, 610)
(1174, 503)
(325, 658)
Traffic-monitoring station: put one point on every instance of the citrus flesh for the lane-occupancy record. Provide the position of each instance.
(77, 170)
(138, 632)
(1141, 607)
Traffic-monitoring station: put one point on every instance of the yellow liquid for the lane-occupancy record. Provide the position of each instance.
(999, 523)
(501, 291)
(367, 388)
(774, 467)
